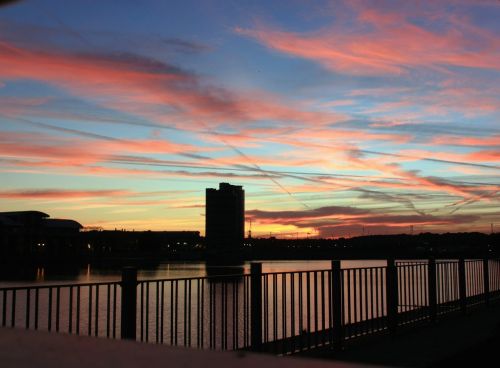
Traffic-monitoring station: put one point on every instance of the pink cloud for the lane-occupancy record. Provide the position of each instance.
(467, 141)
(61, 194)
(385, 41)
(139, 85)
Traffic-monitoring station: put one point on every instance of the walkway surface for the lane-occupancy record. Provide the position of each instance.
(27, 349)
(472, 340)
(458, 341)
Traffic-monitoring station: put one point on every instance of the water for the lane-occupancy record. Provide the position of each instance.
(31, 275)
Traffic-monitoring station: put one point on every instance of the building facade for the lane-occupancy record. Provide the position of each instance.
(224, 218)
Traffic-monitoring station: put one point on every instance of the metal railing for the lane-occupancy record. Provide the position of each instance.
(279, 312)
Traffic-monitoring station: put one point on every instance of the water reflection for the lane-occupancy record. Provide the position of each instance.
(218, 270)
(59, 272)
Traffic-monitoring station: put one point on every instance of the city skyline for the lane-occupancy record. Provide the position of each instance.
(337, 117)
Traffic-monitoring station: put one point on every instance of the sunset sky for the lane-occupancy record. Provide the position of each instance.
(337, 117)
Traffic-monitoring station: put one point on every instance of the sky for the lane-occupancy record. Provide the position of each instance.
(339, 118)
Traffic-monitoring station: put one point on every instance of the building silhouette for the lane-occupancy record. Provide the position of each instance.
(225, 220)
(27, 233)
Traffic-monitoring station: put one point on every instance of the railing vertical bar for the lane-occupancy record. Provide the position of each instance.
(13, 309)
(486, 281)
(425, 287)
(211, 323)
(383, 296)
(202, 318)
(129, 285)
(185, 312)
(36, 307)
(349, 302)
(28, 307)
(49, 317)
(266, 308)
(439, 293)
(450, 282)
(316, 317)
(245, 312)
(372, 302)
(377, 299)
(96, 331)
(323, 306)
(275, 307)
(70, 316)
(114, 311)
(225, 300)
(479, 280)
(406, 288)
(423, 290)
(418, 272)
(142, 311)
(462, 285)
(301, 322)
(108, 309)
(4, 308)
(284, 320)
(89, 328)
(198, 313)
(223, 311)
(330, 306)
(147, 311)
(355, 301)
(58, 300)
(235, 315)
(77, 322)
(162, 320)
(366, 302)
(256, 305)
(308, 308)
(337, 304)
(392, 295)
(189, 312)
(176, 317)
(292, 311)
(415, 288)
(157, 309)
(315, 291)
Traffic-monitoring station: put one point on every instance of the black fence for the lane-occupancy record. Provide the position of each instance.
(278, 312)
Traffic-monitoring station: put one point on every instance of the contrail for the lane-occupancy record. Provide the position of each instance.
(242, 154)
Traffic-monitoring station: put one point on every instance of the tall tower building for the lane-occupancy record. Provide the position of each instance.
(224, 218)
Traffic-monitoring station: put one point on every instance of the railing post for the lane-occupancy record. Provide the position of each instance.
(462, 288)
(129, 302)
(431, 288)
(337, 300)
(486, 278)
(392, 295)
(256, 306)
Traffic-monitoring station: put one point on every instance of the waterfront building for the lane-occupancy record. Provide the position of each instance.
(225, 218)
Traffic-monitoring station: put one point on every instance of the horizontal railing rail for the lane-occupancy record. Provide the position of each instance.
(279, 312)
